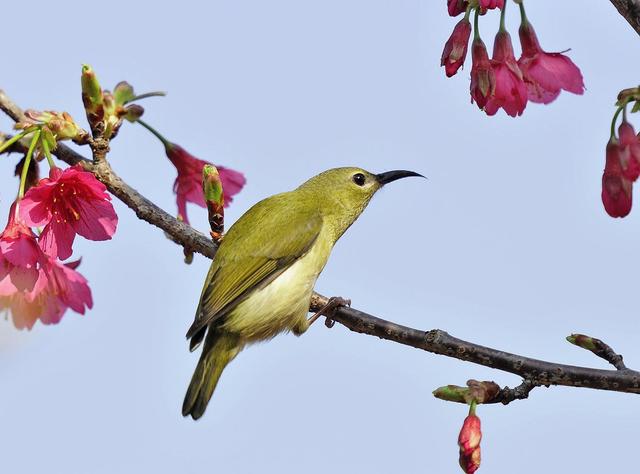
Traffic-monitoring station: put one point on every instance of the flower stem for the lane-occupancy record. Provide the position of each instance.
(523, 14)
(27, 162)
(164, 141)
(472, 408)
(476, 30)
(615, 119)
(467, 13)
(502, 15)
(11, 141)
(147, 94)
(47, 153)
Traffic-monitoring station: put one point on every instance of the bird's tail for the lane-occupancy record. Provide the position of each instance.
(220, 348)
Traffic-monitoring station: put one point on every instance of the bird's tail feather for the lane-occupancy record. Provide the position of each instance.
(220, 348)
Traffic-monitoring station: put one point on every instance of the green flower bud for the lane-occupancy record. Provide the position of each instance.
(93, 100)
(214, 199)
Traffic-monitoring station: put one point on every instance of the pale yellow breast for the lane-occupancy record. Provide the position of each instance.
(284, 303)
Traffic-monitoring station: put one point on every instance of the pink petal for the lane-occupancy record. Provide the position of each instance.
(34, 208)
(56, 240)
(182, 208)
(24, 279)
(52, 311)
(232, 183)
(7, 288)
(24, 313)
(98, 220)
(22, 251)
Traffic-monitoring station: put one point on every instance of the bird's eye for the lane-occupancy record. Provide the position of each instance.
(359, 179)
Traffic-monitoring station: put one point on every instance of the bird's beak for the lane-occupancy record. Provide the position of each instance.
(388, 176)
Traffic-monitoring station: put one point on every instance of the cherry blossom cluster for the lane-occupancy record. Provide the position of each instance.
(37, 280)
(502, 81)
(622, 165)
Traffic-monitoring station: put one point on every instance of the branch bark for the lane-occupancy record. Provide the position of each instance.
(630, 10)
(534, 372)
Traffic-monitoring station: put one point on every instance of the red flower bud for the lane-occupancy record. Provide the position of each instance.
(469, 442)
(616, 188)
(455, 49)
(629, 151)
(483, 81)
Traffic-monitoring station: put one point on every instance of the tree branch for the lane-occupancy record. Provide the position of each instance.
(534, 372)
(630, 10)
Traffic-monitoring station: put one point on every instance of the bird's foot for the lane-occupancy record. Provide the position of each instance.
(329, 309)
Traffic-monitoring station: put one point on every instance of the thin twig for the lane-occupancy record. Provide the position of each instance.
(521, 392)
(599, 348)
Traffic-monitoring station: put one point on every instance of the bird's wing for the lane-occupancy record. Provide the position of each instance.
(254, 252)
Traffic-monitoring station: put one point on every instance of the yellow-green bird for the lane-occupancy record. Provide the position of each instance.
(262, 277)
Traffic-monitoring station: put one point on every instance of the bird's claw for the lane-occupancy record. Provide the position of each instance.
(329, 309)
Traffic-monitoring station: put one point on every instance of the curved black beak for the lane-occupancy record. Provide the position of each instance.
(388, 176)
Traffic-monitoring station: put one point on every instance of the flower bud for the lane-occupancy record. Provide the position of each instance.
(92, 98)
(133, 112)
(483, 81)
(586, 342)
(452, 393)
(616, 187)
(214, 199)
(54, 125)
(455, 49)
(629, 151)
(475, 392)
(469, 442)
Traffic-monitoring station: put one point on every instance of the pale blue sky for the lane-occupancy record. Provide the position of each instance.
(506, 244)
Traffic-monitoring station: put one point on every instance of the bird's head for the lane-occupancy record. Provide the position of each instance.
(343, 193)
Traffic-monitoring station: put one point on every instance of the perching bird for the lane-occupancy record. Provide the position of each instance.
(262, 277)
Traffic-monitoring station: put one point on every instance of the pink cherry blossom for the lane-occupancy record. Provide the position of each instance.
(19, 256)
(188, 184)
(510, 91)
(67, 203)
(66, 288)
(34, 285)
(58, 288)
(546, 74)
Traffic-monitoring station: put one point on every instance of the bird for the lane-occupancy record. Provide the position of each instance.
(262, 276)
